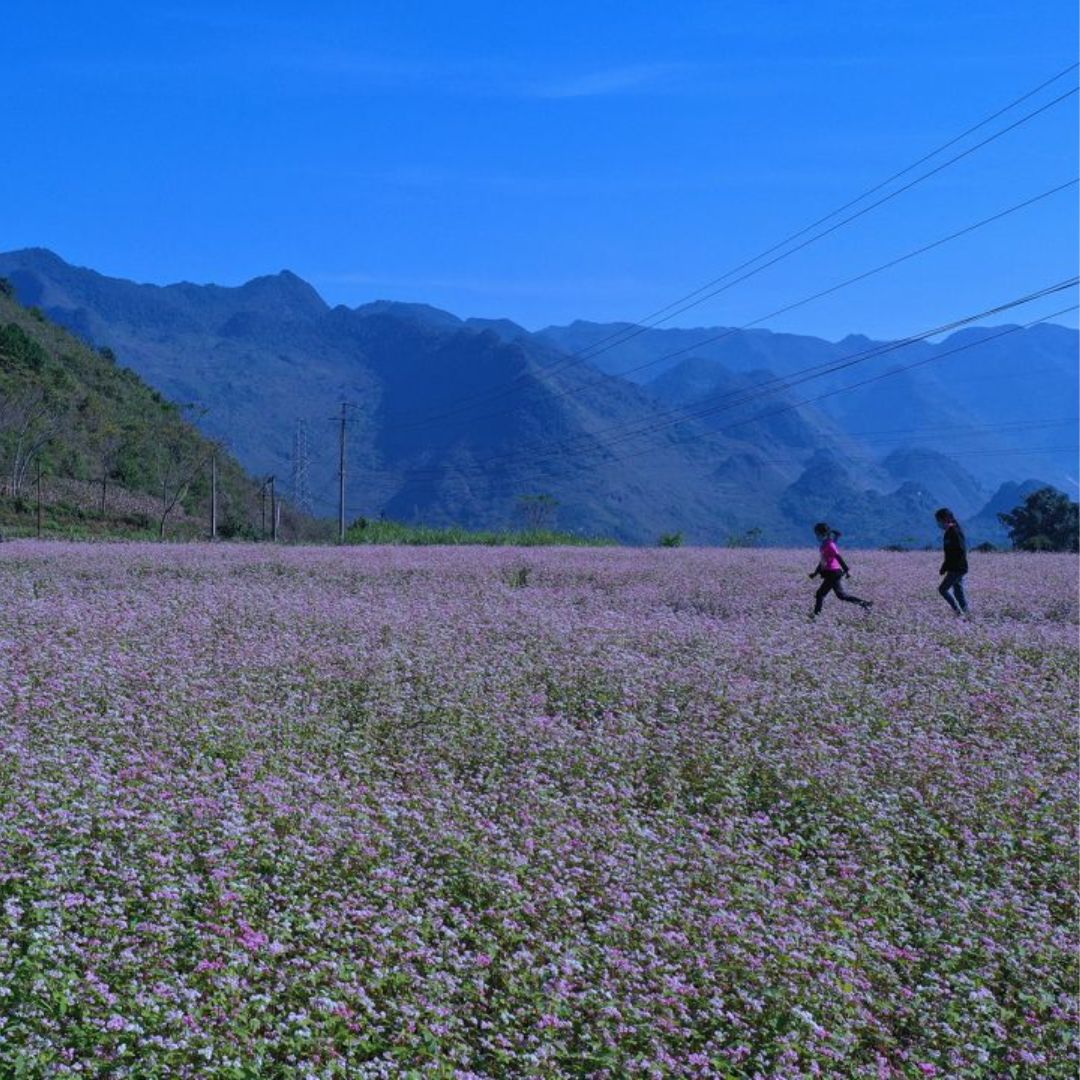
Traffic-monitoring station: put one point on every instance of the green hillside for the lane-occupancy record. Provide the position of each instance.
(115, 458)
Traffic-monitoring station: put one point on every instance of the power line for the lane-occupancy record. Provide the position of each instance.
(852, 202)
(953, 431)
(966, 429)
(625, 334)
(859, 277)
(684, 303)
(814, 372)
(841, 285)
(817, 371)
(729, 332)
(853, 217)
(899, 370)
(722, 402)
(1003, 452)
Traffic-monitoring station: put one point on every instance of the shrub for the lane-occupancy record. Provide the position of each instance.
(519, 577)
(750, 538)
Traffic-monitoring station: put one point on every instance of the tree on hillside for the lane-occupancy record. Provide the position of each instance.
(104, 441)
(1047, 520)
(28, 421)
(179, 458)
(108, 442)
(538, 511)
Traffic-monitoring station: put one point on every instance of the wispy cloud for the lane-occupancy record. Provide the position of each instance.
(609, 81)
(238, 46)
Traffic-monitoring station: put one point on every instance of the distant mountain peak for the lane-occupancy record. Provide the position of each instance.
(410, 312)
(579, 325)
(503, 328)
(285, 290)
(38, 254)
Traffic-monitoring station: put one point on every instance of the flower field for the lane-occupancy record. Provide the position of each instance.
(467, 813)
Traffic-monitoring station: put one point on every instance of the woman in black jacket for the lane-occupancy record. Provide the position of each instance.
(955, 565)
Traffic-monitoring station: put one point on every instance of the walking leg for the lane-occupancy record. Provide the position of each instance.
(849, 597)
(947, 583)
(819, 596)
(958, 592)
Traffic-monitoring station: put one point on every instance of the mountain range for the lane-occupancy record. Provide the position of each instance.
(727, 436)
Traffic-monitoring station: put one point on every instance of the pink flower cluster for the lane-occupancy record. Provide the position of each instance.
(481, 813)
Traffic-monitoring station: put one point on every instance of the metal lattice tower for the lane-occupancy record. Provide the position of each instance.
(301, 489)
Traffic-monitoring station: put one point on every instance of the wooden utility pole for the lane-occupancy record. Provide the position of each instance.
(273, 509)
(341, 480)
(213, 496)
(39, 498)
(342, 420)
(262, 505)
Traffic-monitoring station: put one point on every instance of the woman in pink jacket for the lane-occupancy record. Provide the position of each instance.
(831, 568)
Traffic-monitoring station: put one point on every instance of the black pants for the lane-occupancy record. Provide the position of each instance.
(953, 582)
(831, 583)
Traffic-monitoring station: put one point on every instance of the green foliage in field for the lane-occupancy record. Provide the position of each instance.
(395, 532)
(64, 520)
(1047, 520)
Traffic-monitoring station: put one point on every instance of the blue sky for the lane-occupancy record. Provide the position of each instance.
(543, 162)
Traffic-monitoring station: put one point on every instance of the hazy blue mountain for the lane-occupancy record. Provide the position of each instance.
(965, 396)
(985, 526)
(950, 482)
(260, 356)
(424, 314)
(752, 406)
(829, 491)
(454, 420)
(644, 355)
(504, 328)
